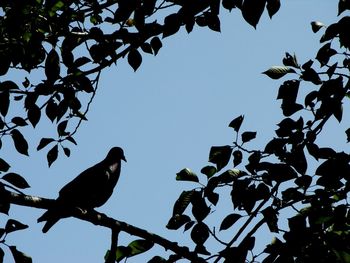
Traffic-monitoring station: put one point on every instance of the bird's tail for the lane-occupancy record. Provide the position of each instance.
(50, 219)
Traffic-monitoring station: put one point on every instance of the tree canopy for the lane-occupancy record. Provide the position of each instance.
(62, 47)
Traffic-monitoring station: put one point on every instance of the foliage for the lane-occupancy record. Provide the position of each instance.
(62, 47)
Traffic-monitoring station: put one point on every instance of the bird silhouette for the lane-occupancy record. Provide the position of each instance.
(90, 189)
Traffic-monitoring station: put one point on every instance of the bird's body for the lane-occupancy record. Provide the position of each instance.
(90, 189)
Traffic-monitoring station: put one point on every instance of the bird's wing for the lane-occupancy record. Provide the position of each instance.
(81, 190)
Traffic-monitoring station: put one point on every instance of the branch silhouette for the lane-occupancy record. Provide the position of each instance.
(103, 220)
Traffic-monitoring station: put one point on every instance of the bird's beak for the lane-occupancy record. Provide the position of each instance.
(123, 158)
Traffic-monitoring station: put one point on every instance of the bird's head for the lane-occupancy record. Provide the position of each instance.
(116, 153)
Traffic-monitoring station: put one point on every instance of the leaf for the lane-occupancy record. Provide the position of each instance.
(343, 5)
(172, 24)
(61, 128)
(177, 221)
(347, 132)
(52, 155)
(237, 157)
(81, 61)
(20, 142)
(140, 246)
(156, 44)
(19, 256)
(34, 114)
(4, 102)
(272, 7)
(52, 66)
(147, 48)
(220, 155)
(157, 259)
(316, 26)
(19, 121)
(66, 151)
(236, 123)
(290, 60)
(51, 110)
(134, 59)
(16, 180)
(186, 175)
(213, 22)
(247, 136)
(182, 202)
(271, 219)
(14, 225)
(229, 220)
(252, 11)
(200, 233)
(71, 139)
(276, 72)
(4, 166)
(44, 142)
(209, 170)
(200, 209)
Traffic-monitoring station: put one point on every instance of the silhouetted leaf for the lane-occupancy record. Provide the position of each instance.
(156, 44)
(343, 5)
(19, 256)
(71, 139)
(182, 202)
(290, 60)
(172, 24)
(229, 4)
(200, 209)
(252, 11)
(19, 121)
(51, 110)
(2, 254)
(19, 141)
(272, 7)
(4, 102)
(325, 53)
(200, 233)
(14, 225)
(303, 181)
(209, 171)
(186, 175)
(81, 61)
(66, 151)
(248, 136)
(237, 157)
(236, 123)
(139, 246)
(177, 221)
(134, 59)
(311, 75)
(157, 259)
(271, 219)
(44, 142)
(347, 132)
(229, 220)
(52, 66)
(214, 22)
(277, 72)
(220, 155)
(212, 197)
(61, 128)
(34, 114)
(147, 48)
(4, 166)
(316, 26)
(52, 155)
(16, 180)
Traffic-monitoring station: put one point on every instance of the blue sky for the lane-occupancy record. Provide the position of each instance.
(166, 116)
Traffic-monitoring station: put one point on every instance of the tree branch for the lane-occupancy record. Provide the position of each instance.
(101, 219)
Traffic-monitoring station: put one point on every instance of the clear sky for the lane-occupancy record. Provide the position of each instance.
(166, 116)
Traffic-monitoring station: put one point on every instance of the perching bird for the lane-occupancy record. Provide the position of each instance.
(90, 189)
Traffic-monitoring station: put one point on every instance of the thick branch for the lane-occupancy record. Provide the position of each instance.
(101, 219)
